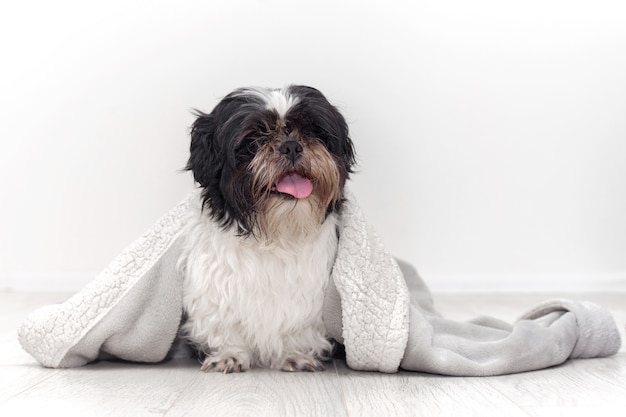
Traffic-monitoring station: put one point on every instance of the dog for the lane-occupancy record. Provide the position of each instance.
(271, 167)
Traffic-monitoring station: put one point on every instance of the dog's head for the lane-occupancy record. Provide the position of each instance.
(266, 157)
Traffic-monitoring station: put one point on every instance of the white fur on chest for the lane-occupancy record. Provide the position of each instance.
(258, 298)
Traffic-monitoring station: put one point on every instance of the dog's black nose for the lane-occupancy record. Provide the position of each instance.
(291, 150)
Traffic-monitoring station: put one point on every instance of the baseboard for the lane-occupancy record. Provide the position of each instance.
(74, 281)
(46, 281)
(556, 283)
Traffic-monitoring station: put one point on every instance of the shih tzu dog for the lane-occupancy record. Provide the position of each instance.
(271, 167)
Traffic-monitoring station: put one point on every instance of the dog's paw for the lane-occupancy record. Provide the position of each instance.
(301, 363)
(225, 363)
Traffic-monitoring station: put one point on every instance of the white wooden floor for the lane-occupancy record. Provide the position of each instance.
(176, 388)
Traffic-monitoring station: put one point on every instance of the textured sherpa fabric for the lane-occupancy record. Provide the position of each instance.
(378, 307)
(132, 310)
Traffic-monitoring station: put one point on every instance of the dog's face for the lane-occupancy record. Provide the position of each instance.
(264, 157)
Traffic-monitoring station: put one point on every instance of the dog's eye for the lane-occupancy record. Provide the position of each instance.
(250, 145)
(255, 143)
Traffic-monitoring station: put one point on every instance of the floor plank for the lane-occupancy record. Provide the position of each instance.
(262, 392)
(415, 394)
(105, 389)
(583, 383)
(18, 379)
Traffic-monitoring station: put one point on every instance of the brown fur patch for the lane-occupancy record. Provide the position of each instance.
(272, 209)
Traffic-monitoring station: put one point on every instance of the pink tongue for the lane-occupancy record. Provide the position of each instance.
(296, 185)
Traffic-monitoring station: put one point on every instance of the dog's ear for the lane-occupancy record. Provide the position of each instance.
(205, 159)
(345, 145)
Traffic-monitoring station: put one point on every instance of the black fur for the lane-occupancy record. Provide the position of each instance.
(224, 142)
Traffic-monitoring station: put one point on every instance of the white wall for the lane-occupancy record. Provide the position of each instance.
(491, 135)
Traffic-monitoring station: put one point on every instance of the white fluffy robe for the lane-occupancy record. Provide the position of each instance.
(258, 300)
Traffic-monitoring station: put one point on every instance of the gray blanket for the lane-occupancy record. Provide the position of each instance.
(378, 307)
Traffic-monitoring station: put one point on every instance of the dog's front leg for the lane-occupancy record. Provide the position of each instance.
(227, 359)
